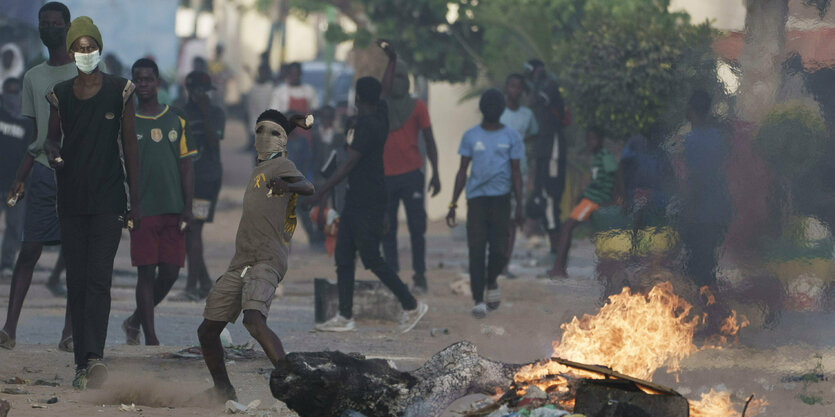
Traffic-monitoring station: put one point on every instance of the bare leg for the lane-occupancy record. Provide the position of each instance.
(256, 323)
(55, 276)
(562, 249)
(209, 335)
(145, 303)
(166, 276)
(29, 254)
(554, 239)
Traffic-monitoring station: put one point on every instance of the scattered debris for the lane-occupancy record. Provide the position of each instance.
(15, 380)
(28, 370)
(39, 406)
(535, 393)
(438, 331)
(45, 383)
(809, 377)
(492, 330)
(15, 391)
(131, 408)
(234, 407)
(461, 287)
(242, 352)
(52, 400)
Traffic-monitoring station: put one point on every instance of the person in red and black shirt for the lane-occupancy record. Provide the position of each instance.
(408, 118)
(361, 221)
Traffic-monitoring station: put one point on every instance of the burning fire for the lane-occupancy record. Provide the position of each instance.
(714, 404)
(632, 334)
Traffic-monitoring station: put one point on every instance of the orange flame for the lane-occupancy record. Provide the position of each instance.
(718, 404)
(728, 331)
(633, 334)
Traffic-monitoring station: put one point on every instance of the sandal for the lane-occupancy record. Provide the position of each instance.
(494, 298)
(6, 342)
(130, 340)
(66, 345)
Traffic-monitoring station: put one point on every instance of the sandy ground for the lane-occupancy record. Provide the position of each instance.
(763, 363)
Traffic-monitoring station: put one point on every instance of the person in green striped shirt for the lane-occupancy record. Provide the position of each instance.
(604, 169)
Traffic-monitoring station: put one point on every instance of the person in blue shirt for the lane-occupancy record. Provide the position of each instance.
(707, 204)
(494, 150)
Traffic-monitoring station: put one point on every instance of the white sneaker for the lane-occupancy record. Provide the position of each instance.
(410, 318)
(480, 311)
(337, 324)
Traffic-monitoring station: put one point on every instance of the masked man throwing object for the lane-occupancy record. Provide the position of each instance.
(261, 250)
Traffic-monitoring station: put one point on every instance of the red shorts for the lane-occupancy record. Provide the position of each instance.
(158, 240)
(583, 210)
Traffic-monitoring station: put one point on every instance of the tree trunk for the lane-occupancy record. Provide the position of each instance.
(762, 57)
(323, 384)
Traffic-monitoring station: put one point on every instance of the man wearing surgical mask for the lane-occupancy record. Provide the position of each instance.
(35, 178)
(93, 112)
(14, 133)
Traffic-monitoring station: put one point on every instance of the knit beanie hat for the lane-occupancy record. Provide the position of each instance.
(83, 26)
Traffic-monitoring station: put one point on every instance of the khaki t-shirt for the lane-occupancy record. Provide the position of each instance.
(267, 222)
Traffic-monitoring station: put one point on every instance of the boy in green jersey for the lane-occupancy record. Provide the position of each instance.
(158, 248)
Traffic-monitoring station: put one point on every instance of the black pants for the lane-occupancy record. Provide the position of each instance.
(488, 221)
(701, 241)
(89, 245)
(407, 187)
(360, 231)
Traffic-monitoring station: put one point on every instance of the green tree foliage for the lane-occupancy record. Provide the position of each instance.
(792, 139)
(626, 66)
(631, 67)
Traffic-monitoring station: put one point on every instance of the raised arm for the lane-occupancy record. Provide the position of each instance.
(388, 75)
(460, 181)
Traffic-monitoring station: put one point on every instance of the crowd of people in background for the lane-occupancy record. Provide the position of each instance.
(85, 152)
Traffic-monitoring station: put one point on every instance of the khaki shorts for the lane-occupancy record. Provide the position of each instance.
(244, 288)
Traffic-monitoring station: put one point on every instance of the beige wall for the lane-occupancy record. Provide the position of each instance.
(724, 14)
(450, 119)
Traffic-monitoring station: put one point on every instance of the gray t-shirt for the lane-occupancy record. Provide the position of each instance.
(267, 222)
(521, 120)
(37, 82)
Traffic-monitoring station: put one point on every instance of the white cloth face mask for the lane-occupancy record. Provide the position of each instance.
(87, 63)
